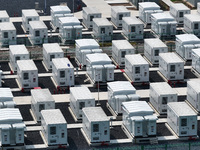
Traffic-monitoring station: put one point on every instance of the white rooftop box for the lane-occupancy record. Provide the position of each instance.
(146, 9)
(6, 98)
(27, 16)
(152, 48)
(185, 43)
(118, 92)
(182, 119)
(137, 68)
(192, 24)
(88, 14)
(171, 66)
(99, 67)
(41, 99)
(63, 72)
(96, 124)
(195, 59)
(132, 28)
(27, 73)
(7, 34)
(178, 10)
(54, 127)
(38, 32)
(102, 29)
(160, 94)
(120, 48)
(80, 97)
(51, 51)
(4, 16)
(117, 13)
(17, 52)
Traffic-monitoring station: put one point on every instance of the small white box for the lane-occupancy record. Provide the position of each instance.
(4, 16)
(195, 59)
(6, 98)
(192, 24)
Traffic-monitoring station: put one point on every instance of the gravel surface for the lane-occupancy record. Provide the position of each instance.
(119, 77)
(182, 98)
(18, 26)
(116, 132)
(46, 82)
(19, 93)
(4, 66)
(40, 66)
(104, 107)
(47, 23)
(10, 83)
(80, 79)
(102, 88)
(144, 99)
(33, 137)
(155, 77)
(25, 112)
(188, 74)
(162, 130)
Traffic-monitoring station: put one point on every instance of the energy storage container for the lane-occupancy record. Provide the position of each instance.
(196, 59)
(96, 125)
(7, 34)
(102, 29)
(160, 94)
(146, 9)
(6, 98)
(182, 119)
(132, 28)
(38, 32)
(117, 13)
(192, 24)
(63, 72)
(178, 10)
(88, 14)
(51, 51)
(136, 2)
(99, 67)
(4, 16)
(118, 92)
(193, 93)
(171, 66)
(83, 47)
(54, 127)
(152, 48)
(138, 119)
(41, 99)
(185, 43)
(163, 24)
(17, 52)
(27, 74)
(11, 127)
(80, 97)
(137, 68)
(57, 12)
(27, 16)
(120, 48)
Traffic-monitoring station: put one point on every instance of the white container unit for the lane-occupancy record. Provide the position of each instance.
(196, 59)
(7, 34)
(163, 24)
(84, 47)
(51, 51)
(182, 119)
(102, 29)
(132, 28)
(137, 68)
(185, 43)
(41, 99)
(63, 72)
(1, 72)
(152, 48)
(178, 10)
(70, 28)
(193, 93)
(96, 125)
(120, 48)
(27, 74)
(4, 16)
(171, 66)
(138, 119)
(146, 9)
(38, 32)
(17, 52)
(11, 127)
(6, 98)
(57, 12)
(136, 2)
(27, 16)
(54, 127)
(160, 94)
(192, 24)
(80, 97)
(117, 13)
(118, 92)
(198, 7)
(88, 14)
(99, 67)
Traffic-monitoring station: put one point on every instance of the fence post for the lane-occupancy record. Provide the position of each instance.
(165, 146)
(189, 146)
(142, 147)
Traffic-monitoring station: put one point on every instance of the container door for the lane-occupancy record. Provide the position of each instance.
(105, 131)
(110, 74)
(5, 134)
(98, 75)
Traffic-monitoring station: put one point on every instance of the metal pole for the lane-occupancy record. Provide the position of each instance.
(73, 6)
(98, 103)
(45, 6)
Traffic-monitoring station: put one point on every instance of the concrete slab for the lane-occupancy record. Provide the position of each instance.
(37, 146)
